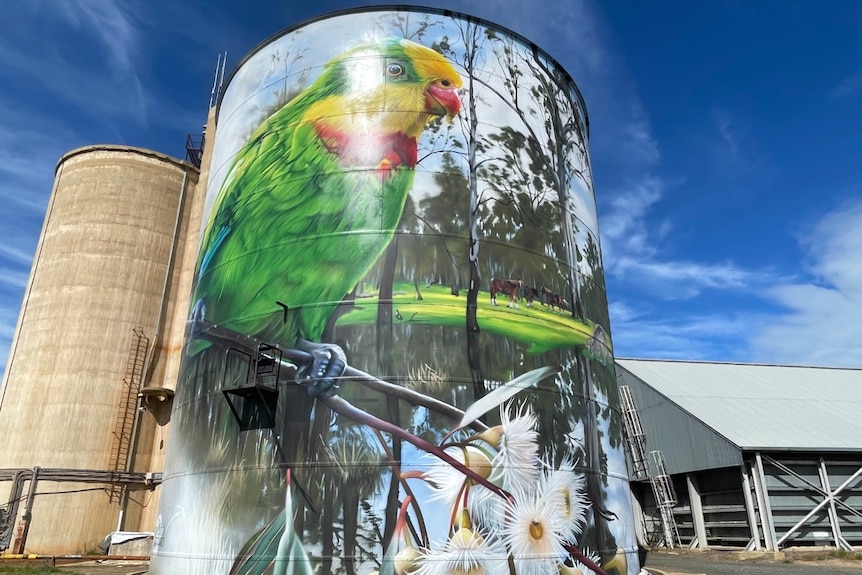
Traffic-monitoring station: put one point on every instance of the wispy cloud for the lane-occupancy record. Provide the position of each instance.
(92, 61)
(625, 228)
(683, 279)
(632, 248)
(110, 22)
(726, 132)
(693, 337)
(574, 26)
(636, 238)
(16, 254)
(823, 321)
(849, 86)
(16, 279)
(8, 321)
(638, 143)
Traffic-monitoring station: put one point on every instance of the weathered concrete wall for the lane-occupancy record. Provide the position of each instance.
(166, 365)
(100, 271)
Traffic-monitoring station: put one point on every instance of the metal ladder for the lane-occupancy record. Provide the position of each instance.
(126, 407)
(635, 437)
(660, 481)
(665, 499)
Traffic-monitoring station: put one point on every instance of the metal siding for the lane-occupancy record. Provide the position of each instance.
(687, 444)
(792, 498)
(763, 407)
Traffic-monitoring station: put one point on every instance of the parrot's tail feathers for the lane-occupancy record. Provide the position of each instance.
(196, 346)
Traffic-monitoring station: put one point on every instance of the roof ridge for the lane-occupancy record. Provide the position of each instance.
(740, 363)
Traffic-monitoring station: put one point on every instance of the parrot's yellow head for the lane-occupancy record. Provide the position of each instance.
(395, 86)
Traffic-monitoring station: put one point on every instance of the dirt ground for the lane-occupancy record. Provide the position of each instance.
(106, 567)
(794, 561)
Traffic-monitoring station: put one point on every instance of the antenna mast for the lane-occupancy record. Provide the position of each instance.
(218, 78)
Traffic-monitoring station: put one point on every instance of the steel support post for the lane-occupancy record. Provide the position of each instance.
(840, 543)
(696, 506)
(763, 504)
(750, 510)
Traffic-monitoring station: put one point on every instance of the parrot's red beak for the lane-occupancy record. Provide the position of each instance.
(442, 101)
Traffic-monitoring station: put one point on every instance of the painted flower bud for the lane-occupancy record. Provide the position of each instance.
(491, 436)
(477, 460)
(462, 519)
(406, 560)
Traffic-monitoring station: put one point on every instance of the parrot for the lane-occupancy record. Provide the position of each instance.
(313, 198)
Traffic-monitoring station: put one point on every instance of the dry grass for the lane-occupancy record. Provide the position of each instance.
(32, 570)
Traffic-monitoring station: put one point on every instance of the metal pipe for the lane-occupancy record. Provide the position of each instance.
(28, 510)
(840, 543)
(171, 256)
(136, 424)
(60, 474)
(19, 476)
(18, 479)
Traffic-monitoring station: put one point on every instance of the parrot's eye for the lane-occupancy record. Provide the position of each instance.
(394, 69)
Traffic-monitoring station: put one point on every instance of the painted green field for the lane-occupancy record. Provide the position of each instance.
(538, 327)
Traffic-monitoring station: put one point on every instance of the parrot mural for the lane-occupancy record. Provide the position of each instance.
(335, 164)
(408, 468)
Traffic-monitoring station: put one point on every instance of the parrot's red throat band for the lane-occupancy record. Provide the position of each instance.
(381, 152)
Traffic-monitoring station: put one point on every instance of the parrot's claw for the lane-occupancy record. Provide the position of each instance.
(196, 318)
(327, 366)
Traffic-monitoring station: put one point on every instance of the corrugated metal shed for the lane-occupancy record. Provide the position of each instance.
(686, 442)
(763, 407)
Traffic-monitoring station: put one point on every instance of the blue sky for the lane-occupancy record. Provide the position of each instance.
(726, 142)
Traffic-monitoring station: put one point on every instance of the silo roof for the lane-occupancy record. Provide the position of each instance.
(763, 407)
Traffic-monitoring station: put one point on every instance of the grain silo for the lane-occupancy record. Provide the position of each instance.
(398, 357)
(94, 327)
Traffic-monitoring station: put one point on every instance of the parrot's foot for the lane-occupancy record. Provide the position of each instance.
(196, 319)
(195, 328)
(328, 364)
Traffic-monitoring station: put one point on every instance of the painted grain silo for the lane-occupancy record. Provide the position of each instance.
(93, 328)
(398, 357)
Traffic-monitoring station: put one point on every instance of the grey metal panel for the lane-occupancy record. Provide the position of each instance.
(687, 444)
(763, 407)
(793, 495)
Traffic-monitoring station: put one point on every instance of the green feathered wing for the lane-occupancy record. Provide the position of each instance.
(307, 207)
(293, 225)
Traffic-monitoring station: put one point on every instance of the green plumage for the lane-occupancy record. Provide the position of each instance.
(307, 207)
(294, 224)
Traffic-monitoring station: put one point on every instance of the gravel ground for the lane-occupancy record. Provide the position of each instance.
(725, 563)
(108, 567)
(664, 562)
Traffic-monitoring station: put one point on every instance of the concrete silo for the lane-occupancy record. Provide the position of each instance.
(94, 327)
(405, 194)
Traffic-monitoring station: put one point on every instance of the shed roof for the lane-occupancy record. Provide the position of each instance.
(764, 407)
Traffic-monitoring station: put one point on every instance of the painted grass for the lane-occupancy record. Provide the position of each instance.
(537, 327)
